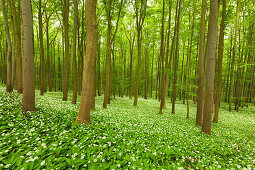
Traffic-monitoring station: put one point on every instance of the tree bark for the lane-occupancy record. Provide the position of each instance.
(175, 58)
(220, 58)
(28, 98)
(9, 85)
(110, 39)
(210, 54)
(140, 16)
(233, 61)
(162, 53)
(88, 70)
(42, 62)
(17, 33)
(74, 98)
(200, 90)
(66, 62)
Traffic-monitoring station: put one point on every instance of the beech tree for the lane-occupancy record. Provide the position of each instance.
(28, 97)
(210, 56)
(200, 91)
(9, 85)
(89, 65)
(66, 63)
(220, 58)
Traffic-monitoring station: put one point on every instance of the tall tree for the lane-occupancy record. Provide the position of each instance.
(66, 61)
(43, 87)
(75, 80)
(88, 70)
(28, 98)
(110, 40)
(200, 90)
(167, 51)
(162, 53)
(233, 60)
(220, 58)
(131, 40)
(9, 85)
(189, 57)
(17, 34)
(176, 57)
(210, 55)
(140, 11)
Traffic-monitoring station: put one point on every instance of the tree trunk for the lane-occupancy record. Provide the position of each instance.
(210, 54)
(110, 39)
(131, 40)
(167, 70)
(140, 16)
(189, 59)
(162, 53)
(233, 61)
(220, 58)
(9, 85)
(59, 70)
(146, 74)
(42, 62)
(48, 72)
(175, 58)
(98, 65)
(66, 62)
(17, 46)
(28, 98)
(200, 90)
(88, 70)
(74, 98)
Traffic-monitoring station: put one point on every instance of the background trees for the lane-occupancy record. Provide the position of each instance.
(130, 47)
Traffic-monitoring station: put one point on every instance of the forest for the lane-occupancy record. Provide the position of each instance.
(127, 84)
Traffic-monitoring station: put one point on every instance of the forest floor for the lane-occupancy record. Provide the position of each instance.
(121, 136)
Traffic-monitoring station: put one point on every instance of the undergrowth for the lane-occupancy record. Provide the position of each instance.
(121, 136)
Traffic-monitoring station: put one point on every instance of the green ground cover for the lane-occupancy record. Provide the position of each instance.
(121, 136)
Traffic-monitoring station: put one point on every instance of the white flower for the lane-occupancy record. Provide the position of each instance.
(95, 160)
(44, 145)
(42, 163)
(29, 153)
(18, 141)
(7, 166)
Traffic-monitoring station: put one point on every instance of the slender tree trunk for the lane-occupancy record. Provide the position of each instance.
(59, 69)
(220, 57)
(162, 53)
(200, 90)
(28, 98)
(146, 74)
(210, 54)
(74, 99)
(189, 57)
(167, 52)
(152, 62)
(176, 58)
(9, 85)
(140, 16)
(17, 46)
(48, 64)
(110, 39)
(131, 40)
(66, 62)
(88, 70)
(99, 78)
(13, 58)
(42, 62)
(233, 61)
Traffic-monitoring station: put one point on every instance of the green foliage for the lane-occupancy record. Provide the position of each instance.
(121, 136)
